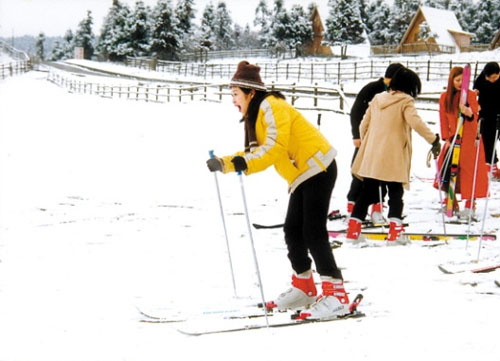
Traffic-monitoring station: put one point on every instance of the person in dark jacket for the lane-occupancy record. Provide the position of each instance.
(487, 87)
(358, 110)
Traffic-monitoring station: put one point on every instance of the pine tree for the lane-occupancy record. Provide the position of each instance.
(207, 28)
(113, 42)
(165, 37)
(40, 46)
(280, 25)
(301, 31)
(185, 13)
(343, 24)
(262, 22)
(63, 49)
(465, 11)
(84, 37)
(437, 4)
(486, 21)
(223, 26)
(377, 14)
(139, 30)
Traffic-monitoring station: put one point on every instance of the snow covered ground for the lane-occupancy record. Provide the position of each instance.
(107, 205)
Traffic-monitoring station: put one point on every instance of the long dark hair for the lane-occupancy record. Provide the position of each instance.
(449, 100)
(253, 107)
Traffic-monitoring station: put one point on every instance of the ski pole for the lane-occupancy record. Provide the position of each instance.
(478, 143)
(447, 158)
(211, 153)
(381, 203)
(440, 186)
(490, 176)
(253, 246)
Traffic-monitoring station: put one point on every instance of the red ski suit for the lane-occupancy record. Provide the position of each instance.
(468, 150)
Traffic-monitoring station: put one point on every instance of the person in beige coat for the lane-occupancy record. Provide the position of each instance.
(384, 157)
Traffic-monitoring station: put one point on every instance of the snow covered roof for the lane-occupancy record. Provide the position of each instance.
(441, 22)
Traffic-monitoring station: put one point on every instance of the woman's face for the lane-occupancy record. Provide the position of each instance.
(241, 100)
(493, 77)
(457, 82)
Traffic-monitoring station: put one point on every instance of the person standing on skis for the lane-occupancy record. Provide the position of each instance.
(468, 167)
(276, 134)
(384, 156)
(358, 109)
(487, 86)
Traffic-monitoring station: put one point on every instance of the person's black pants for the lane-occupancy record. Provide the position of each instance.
(370, 189)
(357, 186)
(305, 224)
(488, 131)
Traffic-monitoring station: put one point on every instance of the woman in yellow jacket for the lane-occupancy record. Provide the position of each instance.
(277, 134)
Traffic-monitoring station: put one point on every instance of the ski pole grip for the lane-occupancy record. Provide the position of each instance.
(211, 153)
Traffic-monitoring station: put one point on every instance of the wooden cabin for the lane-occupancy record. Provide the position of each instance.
(316, 47)
(495, 43)
(443, 33)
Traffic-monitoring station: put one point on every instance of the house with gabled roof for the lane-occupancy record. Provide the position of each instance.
(434, 30)
(316, 47)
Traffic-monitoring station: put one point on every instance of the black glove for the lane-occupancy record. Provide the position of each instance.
(436, 147)
(214, 164)
(240, 164)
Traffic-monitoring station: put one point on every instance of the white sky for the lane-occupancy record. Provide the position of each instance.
(54, 17)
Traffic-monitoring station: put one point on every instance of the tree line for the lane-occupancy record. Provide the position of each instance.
(168, 30)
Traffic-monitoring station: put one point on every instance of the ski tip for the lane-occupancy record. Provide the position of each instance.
(354, 304)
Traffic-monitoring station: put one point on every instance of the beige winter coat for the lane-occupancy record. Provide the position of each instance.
(385, 151)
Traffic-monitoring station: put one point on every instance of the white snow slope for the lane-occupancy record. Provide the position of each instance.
(107, 205)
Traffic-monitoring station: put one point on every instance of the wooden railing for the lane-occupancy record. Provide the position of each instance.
(18, 67)
(301, 96)
(337, 72)
(21, 63)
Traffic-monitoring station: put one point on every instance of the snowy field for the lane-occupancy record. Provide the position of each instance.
(107, 205)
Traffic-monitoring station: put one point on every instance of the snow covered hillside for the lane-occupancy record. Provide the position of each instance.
(107, 205)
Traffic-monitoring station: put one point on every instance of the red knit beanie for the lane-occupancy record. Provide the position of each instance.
(247, 76)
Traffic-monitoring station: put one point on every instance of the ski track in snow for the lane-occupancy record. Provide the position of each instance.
(106, 205)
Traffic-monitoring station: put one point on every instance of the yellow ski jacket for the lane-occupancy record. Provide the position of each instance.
(288, 141)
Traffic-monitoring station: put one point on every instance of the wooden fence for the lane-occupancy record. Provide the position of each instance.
(21, 64)
(18, 67)
(302, 97)
(331, 72)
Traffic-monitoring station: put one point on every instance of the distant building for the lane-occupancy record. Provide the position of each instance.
(434, 30)
(316, 47)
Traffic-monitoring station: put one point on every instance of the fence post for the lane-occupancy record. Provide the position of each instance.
(315, 94)
(312, 72)
(220, 92)
(355, 70)
(428, 69)
(338, 73)
(371, 69)
(287, 66)
(293, 94)
(298, 75)
(341, 105)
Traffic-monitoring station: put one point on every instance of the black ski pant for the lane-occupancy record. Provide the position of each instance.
(488, 131)
(370, 187)
(305, 224)
(357, 186)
